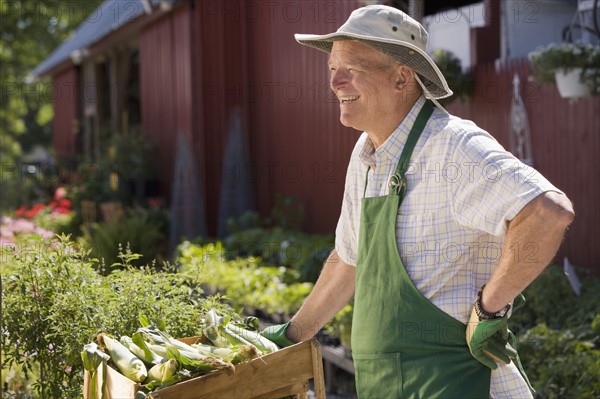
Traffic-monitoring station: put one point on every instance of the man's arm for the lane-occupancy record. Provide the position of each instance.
(333, 290)
(532, 239)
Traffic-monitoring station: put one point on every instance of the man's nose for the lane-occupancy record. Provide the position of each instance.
(338, 79)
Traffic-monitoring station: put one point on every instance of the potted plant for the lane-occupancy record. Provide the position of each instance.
(574, 67)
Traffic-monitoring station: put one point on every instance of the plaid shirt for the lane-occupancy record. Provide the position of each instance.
(463, 188)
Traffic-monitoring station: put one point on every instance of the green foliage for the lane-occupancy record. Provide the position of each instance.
(562, 363)
(243, 281)
(559, 336)
(550, 300)
(278, 244)
(142, 231)
(288, 212)
(460, 82)
(31, 29)
(132, 156)
(54, 302)
(302, 252)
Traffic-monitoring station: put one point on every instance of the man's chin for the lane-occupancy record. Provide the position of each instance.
(348, 122)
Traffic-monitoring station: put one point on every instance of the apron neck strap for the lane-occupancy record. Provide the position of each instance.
(398, 181)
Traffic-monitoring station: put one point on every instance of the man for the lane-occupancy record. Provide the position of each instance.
(440, 227)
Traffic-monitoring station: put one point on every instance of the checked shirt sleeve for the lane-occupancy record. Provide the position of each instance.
(494, 185)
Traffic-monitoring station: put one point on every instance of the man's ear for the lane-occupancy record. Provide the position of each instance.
(404, 76)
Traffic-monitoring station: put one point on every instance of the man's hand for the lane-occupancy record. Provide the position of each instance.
(488, 341)
(277, 335)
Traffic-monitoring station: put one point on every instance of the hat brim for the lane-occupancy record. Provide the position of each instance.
(433, 82)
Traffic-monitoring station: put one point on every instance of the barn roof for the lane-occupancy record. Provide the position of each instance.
(108, 17)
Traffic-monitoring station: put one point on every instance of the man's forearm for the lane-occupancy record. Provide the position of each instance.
(333, 290)
(532, 239)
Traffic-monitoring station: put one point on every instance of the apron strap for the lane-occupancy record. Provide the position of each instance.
(398, 181)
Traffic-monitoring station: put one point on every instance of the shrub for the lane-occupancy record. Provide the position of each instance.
(302, 252)
(142, 231)
(54, 302)
(559, 336)
(244, 281)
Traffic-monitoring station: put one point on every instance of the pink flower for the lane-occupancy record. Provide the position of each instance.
(60, 193)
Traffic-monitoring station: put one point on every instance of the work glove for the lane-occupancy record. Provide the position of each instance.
(276, 334)
(488, 341)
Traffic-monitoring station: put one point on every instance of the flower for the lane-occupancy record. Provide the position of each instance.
(547, 60)
(60, 193)
(33, 212)
(21, 211)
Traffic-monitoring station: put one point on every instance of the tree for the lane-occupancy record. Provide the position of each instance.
(29, 31)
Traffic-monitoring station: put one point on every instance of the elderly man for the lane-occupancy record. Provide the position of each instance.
(440, 227)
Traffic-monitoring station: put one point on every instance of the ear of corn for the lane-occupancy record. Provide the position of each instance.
(235, 355)
(92, 359)
(198, 362)
(127, 363)
(263, 344)
(162, 372)
(148, 355)
(170, 360)
(160, 350)
(213, 333)
(234, 338)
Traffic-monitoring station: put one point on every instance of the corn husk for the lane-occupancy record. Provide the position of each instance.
(128, 364)
(263, 344)
(235, 355)
(162, 372)
(92, 359)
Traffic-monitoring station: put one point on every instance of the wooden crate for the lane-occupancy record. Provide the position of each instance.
(278, 374)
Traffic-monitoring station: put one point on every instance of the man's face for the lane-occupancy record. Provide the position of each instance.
(363, 80)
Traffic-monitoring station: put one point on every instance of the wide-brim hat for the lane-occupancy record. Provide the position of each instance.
(392, 32)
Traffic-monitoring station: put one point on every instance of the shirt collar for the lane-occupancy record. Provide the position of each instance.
(392, 147)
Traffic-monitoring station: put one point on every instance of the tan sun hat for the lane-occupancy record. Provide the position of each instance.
(391, 32)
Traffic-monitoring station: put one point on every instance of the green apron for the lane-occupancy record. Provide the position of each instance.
(403, 346)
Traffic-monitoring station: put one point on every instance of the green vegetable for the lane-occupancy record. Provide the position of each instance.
(195, 361)
(213, 333)
(92, 358)
(162, 372)
(185, 354)
(262, 343)
(127, 363)
(148, 355)
(235, 355)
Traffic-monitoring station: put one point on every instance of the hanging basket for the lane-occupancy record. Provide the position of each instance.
(569, 85)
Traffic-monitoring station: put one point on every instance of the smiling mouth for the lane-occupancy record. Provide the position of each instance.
(348, 99)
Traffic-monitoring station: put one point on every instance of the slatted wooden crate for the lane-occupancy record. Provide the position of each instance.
(278, 374)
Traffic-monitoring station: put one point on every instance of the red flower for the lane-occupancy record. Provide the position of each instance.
(21, 211)
(64, 203)
(61, 210)
(37, 208)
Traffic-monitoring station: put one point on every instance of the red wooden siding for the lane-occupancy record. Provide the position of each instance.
(246, 56)
(166, 87)
(64, 124)
(298, 146)
(219, 63)
(565, 139)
